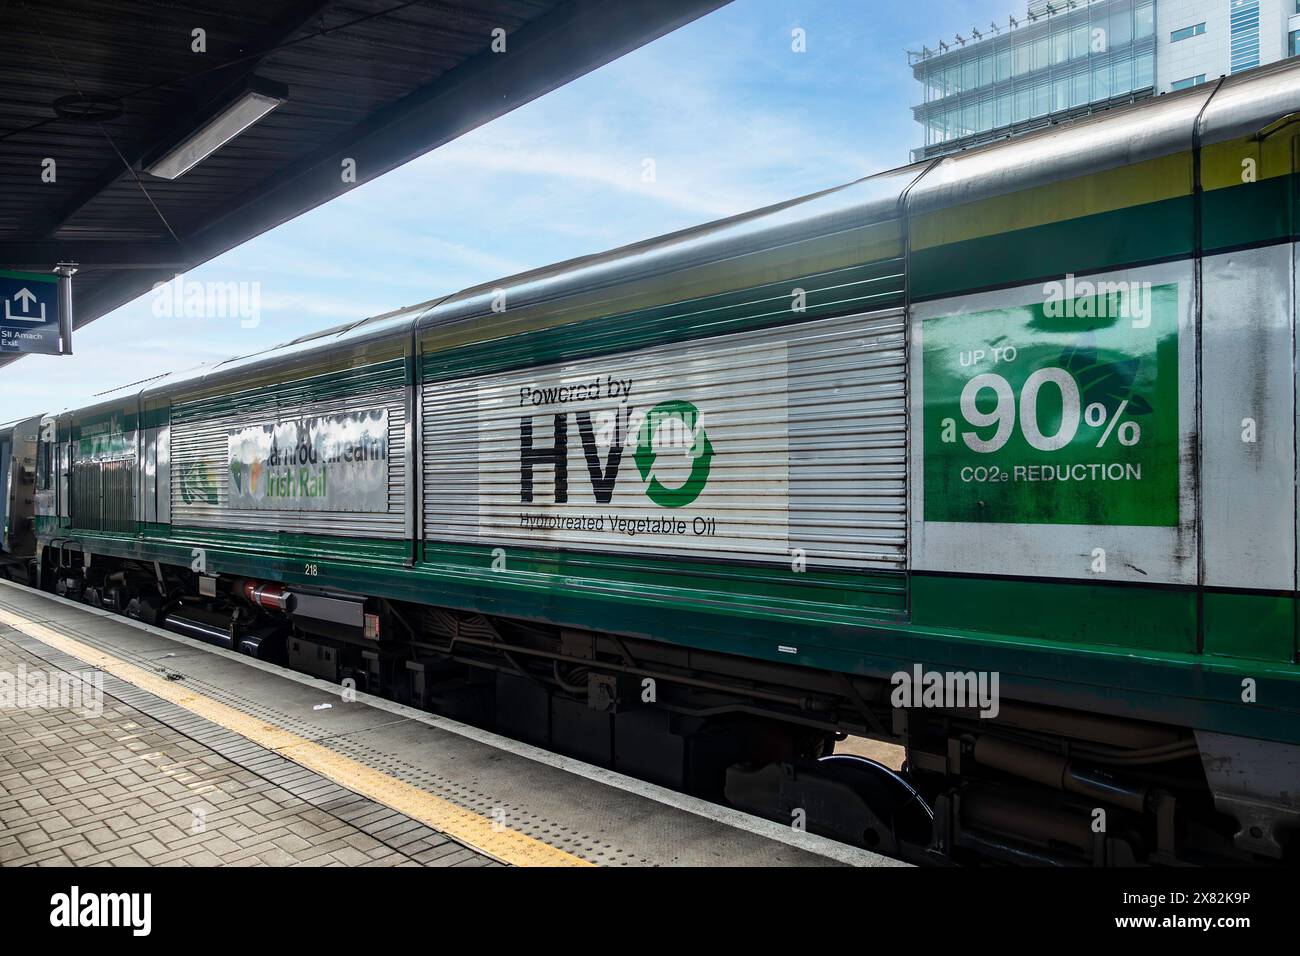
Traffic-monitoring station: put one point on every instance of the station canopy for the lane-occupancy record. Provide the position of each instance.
(140, 138)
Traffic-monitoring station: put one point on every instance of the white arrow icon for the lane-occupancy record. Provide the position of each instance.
(26, 298)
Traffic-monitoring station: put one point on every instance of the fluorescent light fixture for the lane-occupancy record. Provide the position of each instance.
(227, 123)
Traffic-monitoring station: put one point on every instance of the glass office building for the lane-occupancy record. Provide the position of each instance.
(1072, 57)
(1243, 22)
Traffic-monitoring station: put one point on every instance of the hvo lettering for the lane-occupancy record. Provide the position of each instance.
(604, 474)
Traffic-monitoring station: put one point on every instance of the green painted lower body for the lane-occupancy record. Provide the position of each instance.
(1125, 650)
(1237, 624)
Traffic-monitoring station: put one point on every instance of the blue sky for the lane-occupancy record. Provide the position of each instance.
(732, 118)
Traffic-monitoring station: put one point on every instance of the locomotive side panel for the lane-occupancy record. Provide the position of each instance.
(102, 471)
(1248, 393)
(1054, 429)
(323, 455)
(781, 446)
(1248, 230)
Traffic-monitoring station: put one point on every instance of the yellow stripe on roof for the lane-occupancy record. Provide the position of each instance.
(1166, 177)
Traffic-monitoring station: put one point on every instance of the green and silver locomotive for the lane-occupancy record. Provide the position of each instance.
(993, 456)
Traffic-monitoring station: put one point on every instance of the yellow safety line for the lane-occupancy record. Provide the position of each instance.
(472, 829)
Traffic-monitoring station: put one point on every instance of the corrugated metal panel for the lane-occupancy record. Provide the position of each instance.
(806, 423)
(103, 494)
(200, 477)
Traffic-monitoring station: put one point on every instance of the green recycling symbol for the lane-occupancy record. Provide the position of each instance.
(645, 455)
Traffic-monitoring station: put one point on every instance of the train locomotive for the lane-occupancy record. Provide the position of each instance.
(992, 456)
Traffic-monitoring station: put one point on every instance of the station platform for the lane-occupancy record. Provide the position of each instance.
(160, 750)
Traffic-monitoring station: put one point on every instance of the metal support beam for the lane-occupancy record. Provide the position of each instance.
(65, 272)
(41, 256)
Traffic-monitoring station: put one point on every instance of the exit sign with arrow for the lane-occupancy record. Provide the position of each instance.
(29, 312)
